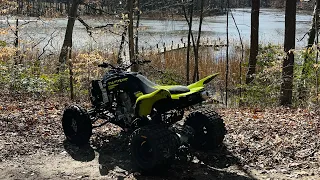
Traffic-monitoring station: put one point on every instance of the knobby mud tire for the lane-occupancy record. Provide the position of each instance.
(76, 125)
(209, 129)
(153, 148)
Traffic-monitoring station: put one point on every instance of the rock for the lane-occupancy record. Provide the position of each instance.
(295, 165)
(63, 153)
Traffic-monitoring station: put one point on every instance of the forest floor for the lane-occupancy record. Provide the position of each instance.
(272, 143)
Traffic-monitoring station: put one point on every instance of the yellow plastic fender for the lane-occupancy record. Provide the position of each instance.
(195, 87)
(144, 103)
(202, 81)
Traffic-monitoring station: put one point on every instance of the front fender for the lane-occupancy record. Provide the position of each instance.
(145, 102)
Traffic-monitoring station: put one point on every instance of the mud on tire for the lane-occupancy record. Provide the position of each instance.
(153, 148)
(76, 125)
(209, 129)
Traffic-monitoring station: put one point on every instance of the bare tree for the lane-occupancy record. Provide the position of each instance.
(254, 40)
(312, 31)
(67, 43)
(137, 4)
(123, 39)
(131, 38)
(189, 38)
(195, 44)
(311, 41)
(289, 45)
(196, 75)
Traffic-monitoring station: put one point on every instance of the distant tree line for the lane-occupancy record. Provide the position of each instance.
(42, 7)
(303, 4)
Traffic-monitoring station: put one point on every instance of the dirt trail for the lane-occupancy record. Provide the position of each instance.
(89, 164)
(71, 162)
(261, 144)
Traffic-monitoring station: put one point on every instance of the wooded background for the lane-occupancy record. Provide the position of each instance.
(40, 7)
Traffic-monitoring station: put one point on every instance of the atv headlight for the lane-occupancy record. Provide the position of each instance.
(205, 95)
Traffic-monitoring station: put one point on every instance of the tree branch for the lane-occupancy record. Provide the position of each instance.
(185, 16)
(97, 9)
(44, 47)
(88, 28)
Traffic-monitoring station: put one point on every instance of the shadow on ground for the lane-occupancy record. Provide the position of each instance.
(115, 162)
(84, 153)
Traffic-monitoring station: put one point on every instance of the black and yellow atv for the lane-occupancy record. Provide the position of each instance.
(150, 112)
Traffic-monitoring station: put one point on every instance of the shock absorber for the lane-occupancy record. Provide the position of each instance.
(104, 93)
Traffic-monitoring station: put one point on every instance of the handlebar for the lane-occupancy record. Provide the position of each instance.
(145, 61)
(106, 65)
(103, 65)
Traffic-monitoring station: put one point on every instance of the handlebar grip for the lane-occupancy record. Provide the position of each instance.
(103, 65)
(141, 62)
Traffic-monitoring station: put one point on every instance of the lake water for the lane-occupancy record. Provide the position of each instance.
(271, 30)
(159, 31)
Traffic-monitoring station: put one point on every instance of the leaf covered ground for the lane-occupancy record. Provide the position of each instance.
(272, 143)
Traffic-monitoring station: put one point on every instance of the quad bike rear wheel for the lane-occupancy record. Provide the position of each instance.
(76, 125)
(153, 148)
(209, 129)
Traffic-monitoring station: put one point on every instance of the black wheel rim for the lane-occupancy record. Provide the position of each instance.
(144, 150)
(201, 134)
(74, 125)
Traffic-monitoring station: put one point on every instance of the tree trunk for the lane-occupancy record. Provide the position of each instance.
(68, 5)
(312, 31)
(189, 41)
(16, 41)
(28, 8)
(254, 41)
(18, 4)
(137, 28)
(311, 40)
(131, 38)
(123, 39)
(196, 47)
(70, 75)
(289, 44)
(67, 43)
(16, 33)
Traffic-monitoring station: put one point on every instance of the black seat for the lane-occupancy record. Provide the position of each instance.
(179, 89)
(146, 85)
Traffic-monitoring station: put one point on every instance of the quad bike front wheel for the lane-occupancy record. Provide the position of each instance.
(76, 125)
(153, 148)
(209, 129)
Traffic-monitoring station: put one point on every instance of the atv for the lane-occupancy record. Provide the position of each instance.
(149, 112)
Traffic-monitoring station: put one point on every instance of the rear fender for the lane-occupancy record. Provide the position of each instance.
(202, 82)
(144, 103)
